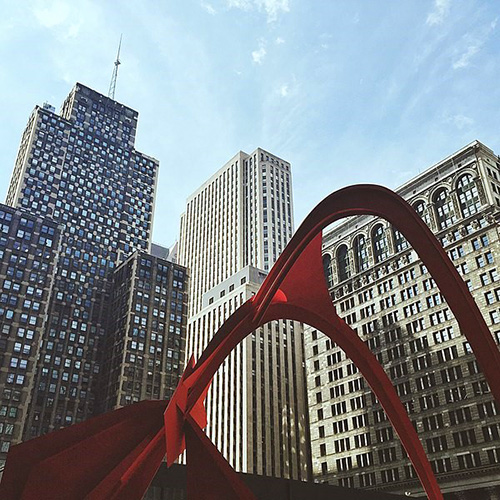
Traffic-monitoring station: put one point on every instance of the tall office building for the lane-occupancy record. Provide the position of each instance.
(382, 289)
(234, 228)
(28, 253)
(145, 341)
(80, 169)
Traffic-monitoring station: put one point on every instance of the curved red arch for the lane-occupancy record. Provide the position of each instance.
(300, 265)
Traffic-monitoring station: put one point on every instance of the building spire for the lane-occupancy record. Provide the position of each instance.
(112, 85)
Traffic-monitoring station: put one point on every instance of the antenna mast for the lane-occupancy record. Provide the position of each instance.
(112, 85)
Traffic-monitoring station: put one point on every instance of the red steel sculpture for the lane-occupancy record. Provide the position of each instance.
(116, 455)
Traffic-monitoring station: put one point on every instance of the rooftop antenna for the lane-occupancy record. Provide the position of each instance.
(112, 85)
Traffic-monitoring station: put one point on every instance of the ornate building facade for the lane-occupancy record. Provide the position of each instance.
(380, 287)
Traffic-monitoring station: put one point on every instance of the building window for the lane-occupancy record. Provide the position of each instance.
(469, 460)
(343, 263)
(327, 269)
(380, 245)
(468, 195)
(422, 212)
(400, 242)
(444, 209)
(390, 475)
(361, 253)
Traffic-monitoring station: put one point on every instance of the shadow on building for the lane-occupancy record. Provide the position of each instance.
(170, 484)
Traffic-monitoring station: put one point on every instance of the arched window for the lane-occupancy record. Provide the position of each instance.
(361, 253)
(444, 209)
(327, 269)
(380, 244)
(468, 195)
(343, 263)
(421, 210)
(400, 242)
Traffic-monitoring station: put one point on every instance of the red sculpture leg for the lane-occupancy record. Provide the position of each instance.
(303, 296)
(209, 475)
(379, 201)
(72, 462)
(176, 413)
(133, 476)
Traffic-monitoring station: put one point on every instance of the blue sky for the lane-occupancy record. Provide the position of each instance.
(348, 91)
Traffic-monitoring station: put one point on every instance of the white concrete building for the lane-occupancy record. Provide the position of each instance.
(234, 228)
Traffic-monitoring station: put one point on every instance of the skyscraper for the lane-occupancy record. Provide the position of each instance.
(234, 228)
(81, 170)
(381, 288)
(145, 339)
(28, 254)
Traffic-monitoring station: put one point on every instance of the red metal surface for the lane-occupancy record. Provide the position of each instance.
(294, 289)
(90, 459)
(209, 475)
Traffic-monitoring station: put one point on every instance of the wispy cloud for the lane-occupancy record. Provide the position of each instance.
(440, 12)
(279, 41)
(259, 54)
(209, 8)
(465, 58)
(460, 121)
(59, 17)
(473, 45)
(272, 8)
(240, 4)
(51, 14)
(288, 88)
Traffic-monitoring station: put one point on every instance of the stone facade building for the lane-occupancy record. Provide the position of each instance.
(382, 289)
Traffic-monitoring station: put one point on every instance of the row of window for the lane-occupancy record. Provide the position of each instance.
(469, 203)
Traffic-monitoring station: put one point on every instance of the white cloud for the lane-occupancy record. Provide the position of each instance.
(240, 4)
(59, 17)
(460, 121)
(438, 15)
(272, 8)
(465, 58)
(284, 90)
(209, 8)
(279, 40)
(474, 45)
(258, 55)
(51, 14)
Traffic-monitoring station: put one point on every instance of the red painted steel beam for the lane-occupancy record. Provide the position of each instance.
(357, 200)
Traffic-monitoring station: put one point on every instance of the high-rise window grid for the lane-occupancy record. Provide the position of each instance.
(79, 168)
